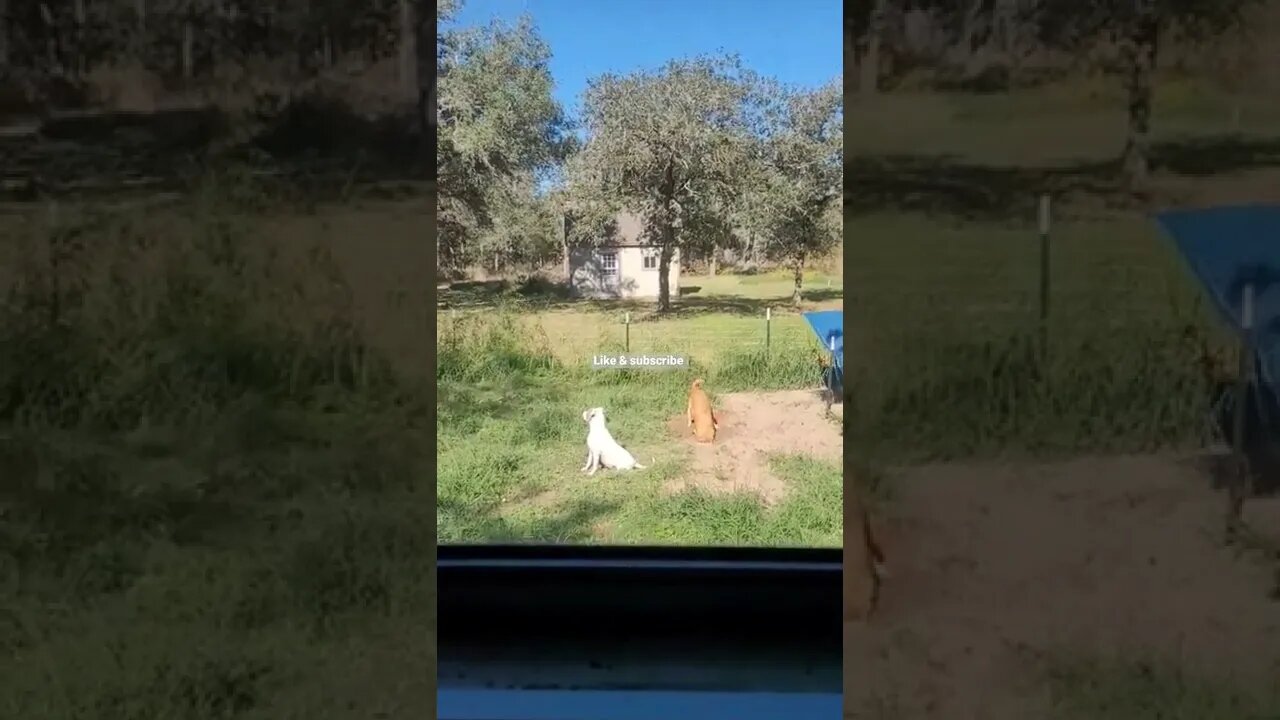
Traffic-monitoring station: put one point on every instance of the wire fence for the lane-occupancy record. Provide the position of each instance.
(980, 338)
(708, 338)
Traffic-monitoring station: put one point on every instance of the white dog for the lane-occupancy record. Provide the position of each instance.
(602, 449)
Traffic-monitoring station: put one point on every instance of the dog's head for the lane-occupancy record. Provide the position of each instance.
(697, 383)
(589, 415)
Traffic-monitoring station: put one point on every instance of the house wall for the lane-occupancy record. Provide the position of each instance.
(588, 279)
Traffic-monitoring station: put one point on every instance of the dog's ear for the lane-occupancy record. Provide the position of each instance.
(586, 416)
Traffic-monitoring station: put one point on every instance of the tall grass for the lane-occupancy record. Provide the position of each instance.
(212, 488)
(949, 396)
(497, 347)
(946, 360)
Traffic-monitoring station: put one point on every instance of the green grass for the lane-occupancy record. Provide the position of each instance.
(1073, 121)
(947, 361)
(510, 441)
(728, 312)
(213, 497)
(942, 306)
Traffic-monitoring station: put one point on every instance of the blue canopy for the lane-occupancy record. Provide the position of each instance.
(828, 325)
(1229, 248)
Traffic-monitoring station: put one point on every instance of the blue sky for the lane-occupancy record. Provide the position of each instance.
(798, 42)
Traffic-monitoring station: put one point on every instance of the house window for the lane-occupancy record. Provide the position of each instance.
(650, 260)
(609, 264)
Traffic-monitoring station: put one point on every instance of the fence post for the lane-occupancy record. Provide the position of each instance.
(626, 329)
(1044, 274)
(1239, 480)
(768, 322)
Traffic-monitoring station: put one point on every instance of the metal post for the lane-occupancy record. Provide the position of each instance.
(1239, 481)
(626, 324)
(768, 321)
(831, 374)
(1044, 273)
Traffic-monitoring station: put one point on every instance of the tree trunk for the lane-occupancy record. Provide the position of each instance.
(409, 50)
(140, 31)
(850, 47)
(869, 70)
(969, 31)
(425, 67)
(797, 269)
(664, 266)
(51, 32)
(711, 264)
(4, 34)
(1140, 59)
(188, 50)
(218, 33)
(80, 62)
(666, 220)
(564, 248)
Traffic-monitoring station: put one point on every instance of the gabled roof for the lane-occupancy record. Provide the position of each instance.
(628, 231)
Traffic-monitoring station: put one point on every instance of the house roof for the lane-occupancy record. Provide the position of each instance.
(628, 232)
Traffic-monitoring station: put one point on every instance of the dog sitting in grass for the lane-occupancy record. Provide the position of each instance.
(602, 449)
(701, 418)
(863, 560)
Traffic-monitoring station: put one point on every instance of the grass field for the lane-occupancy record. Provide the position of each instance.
(215, 498)
(513, 378)
(944, 256)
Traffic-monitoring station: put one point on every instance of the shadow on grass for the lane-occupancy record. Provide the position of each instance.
(945, 185)
(492, 294)
(575, 524)
(313, 140)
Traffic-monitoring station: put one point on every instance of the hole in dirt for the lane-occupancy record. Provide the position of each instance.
(678, 427)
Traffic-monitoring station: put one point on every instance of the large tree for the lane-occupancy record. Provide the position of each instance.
(798, 182)
(1003, 30)
(524, 227)
(673, 146)
(496, 119)
(1137, 26)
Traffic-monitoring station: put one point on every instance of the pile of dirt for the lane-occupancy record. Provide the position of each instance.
(754, 426)
(993, 566)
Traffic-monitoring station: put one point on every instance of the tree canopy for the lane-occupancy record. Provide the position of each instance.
(496, 122)
(672, 145)
(703, 148)
(799, 179)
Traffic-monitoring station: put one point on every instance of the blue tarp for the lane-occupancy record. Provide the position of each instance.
(1228, 248)
(828, 325)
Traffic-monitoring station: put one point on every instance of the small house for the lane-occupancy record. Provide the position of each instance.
(622, 265)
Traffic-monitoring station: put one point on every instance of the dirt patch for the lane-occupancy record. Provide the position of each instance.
(993, 565)
(754, 426)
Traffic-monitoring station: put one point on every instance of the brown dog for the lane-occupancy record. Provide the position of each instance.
(701, 418)
(862, 561)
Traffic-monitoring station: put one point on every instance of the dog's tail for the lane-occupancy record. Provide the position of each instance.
(645, 467)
